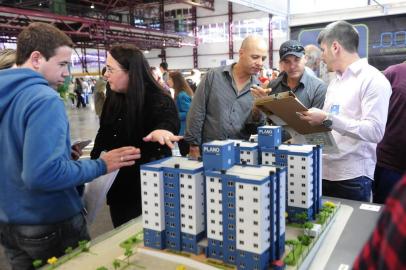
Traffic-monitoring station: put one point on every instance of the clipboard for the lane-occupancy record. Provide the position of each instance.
(285, 105)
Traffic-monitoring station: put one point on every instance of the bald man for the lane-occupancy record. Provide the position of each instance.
(222, 105)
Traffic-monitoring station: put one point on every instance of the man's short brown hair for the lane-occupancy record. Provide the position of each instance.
(41, 37)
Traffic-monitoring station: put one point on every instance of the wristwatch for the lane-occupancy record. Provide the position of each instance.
(327, 122)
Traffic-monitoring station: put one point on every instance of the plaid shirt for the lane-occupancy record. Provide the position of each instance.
(386, 247)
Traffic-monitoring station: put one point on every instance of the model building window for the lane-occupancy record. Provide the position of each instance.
(241, 242)
(240, 186)
(303, 202)
(190, 207)
(256, 257)
(303, 159)
(182, 195)
(182, 215)
(292, 192)
(230, 183)
(144, 174)
(156, 194)
(266, 162)
(230, 194)
(292, 158)
(292, 200)
(292, 183)
(212, 211)
(273, 155)
(212, 179)
(189, 176)
(255, 200)
(155, 175)
(291, 166)
(304, 193)
(240, 198)
(145, 193)
(156, 214)
(212, 200)
(221, 233)
(303, 176)
(221, 222)
(220, 191)
(230, 216)
(145, 203)
(303, 168)
(156, 204)
(231, 237)
(231, 258)
(190, 196)
(255, 222)
(155, 185)
(146, 221)
(266, 154)
(182, 205)
(255, 245)
(231, 226)
(255, 188)
(241, 231)
(190, 217)
(230, 205)
(241, 209)
(303, 185)
(291, 175)
(255, 234)
(182, 175)
(212, 190)
(189, 186)
(255, 211)
(144, 183)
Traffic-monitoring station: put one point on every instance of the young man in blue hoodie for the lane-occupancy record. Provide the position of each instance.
(40, 209)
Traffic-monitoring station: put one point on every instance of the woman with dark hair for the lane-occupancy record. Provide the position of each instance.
(136, 112)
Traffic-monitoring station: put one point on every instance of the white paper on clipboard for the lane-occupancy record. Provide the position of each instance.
(95, 193)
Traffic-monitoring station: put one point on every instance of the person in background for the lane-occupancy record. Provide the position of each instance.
(356, 109)
(313, 59)
(7, 58)
(99, 94)
(183, 99)
(137, 112)
(163, 67)
(157, 76)
(40, 208)
(71, 93)
(194, 79)
(222, 107)
(79, 93)
(386, 246)
(391, 151)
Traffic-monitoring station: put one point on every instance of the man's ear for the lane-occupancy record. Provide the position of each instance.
(335, 46)
(36, 59)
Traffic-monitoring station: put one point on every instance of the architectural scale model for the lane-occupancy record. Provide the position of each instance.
(228, 206)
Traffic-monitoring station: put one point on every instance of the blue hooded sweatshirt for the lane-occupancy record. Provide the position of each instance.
(37, 176)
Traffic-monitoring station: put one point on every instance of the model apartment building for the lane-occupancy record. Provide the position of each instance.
(228, 206)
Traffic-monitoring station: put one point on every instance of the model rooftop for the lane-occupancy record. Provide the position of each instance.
(184, 163)
(296, 148)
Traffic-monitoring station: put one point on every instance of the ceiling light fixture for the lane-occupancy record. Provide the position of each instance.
(92, 5)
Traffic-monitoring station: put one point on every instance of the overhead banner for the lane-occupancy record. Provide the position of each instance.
(382, 39)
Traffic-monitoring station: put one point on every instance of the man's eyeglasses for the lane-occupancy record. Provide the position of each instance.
(113, 70)
(294, 48)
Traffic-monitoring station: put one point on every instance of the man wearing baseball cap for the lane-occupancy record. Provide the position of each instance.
(309, 89)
